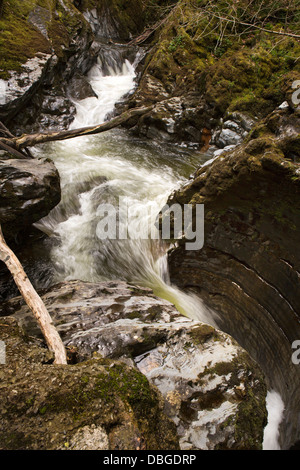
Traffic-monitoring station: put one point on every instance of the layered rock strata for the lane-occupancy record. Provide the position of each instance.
(248, 270)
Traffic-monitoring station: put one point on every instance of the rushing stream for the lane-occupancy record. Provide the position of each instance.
(102, 169)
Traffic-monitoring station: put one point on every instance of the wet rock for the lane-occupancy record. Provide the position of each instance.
(79, 88)
(160, 123)
(118, 20)
(248, 270)
(96, 405)
(29, 189)
(33, 94)
(209, 384)
(233, 130)
(21, 86)
(40, 18)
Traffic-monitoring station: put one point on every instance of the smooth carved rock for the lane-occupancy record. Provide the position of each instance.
(248, 270)
(209, 383)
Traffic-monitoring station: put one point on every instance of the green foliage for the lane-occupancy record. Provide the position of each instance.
(236, 66)
(21, 40)
(176, 42)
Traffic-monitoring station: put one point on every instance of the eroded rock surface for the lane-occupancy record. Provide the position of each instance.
(248, 270)
(213, 391)
(29, 189)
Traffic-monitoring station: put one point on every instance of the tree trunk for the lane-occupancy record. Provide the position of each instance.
(29, 140)
(33, 301)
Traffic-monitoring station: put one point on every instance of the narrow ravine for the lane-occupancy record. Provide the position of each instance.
(102, 169)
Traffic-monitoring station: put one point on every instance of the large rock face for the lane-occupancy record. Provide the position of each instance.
(115, 19)
(213, 391)
(46, 50)
(248, 270)
(99, 404)
(43, 45)
(29, 189)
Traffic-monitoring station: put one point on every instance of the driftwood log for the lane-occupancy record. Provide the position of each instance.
(33, 301)
(18, 144)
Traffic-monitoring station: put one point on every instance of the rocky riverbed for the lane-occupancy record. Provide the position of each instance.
(201, 380)
(156, 379)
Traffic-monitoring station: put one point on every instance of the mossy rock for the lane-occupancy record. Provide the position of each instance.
(48, 407)
(250, 71)
(34, 26)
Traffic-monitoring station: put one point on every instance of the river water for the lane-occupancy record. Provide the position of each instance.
(101, 169)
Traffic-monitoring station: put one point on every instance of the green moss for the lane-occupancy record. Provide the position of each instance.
(134, 314)
(251, 418)
(20, 40)
(176, 42)
(115, 382)
(203, 333)
(234, 72)
(15, 440)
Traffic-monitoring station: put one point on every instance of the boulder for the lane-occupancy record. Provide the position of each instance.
(29, 189)
(79, 88)
(212, 390)
(21, 86)
(47, 46)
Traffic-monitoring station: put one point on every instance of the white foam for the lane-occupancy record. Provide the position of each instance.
(275, 408)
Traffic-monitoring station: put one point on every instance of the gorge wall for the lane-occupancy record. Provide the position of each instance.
(248, 270)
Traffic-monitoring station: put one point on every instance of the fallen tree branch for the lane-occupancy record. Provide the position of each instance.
(13, 151)
(152, 29)
(33, 301)
(29, 140)
(7, 148)
(4, 129)
(204, 12)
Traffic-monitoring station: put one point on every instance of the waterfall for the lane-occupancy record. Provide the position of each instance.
(100, 169)
(275, 408)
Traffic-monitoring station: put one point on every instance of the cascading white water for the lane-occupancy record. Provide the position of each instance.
(275, 408)
(100, 169)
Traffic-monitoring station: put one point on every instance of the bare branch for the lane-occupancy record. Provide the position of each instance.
(33, 301)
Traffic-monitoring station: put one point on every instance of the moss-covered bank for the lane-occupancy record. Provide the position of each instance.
(48, 407)
(217, 66)
(29, 27)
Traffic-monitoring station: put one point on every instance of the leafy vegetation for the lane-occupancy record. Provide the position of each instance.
(240, 54)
